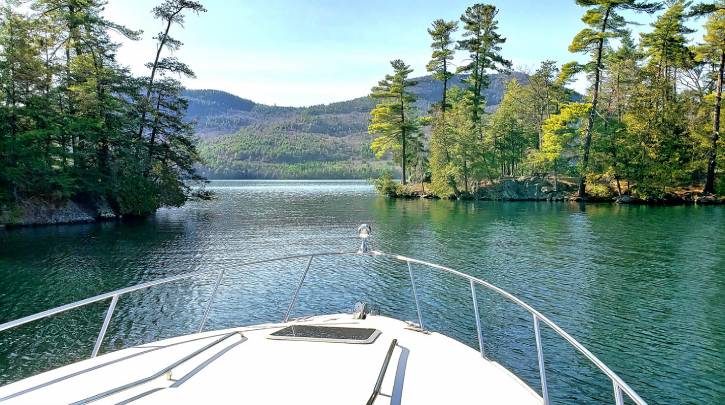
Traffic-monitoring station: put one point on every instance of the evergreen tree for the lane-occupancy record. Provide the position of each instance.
(544, 95)
(439, 66)
(170, 12)
(443, 52)
(605, 22)
(712, 51)
(483, 43)
(619, 82)
(510, 132)
(393, 119)
(70, 114)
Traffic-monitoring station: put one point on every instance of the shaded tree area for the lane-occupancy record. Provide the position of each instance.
(75, 124)
(649, 123)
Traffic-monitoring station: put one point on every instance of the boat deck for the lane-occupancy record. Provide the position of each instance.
(244, 365)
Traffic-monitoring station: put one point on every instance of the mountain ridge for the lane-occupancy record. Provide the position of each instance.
(244, 139)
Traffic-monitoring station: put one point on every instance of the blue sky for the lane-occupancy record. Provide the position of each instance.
(304, 52)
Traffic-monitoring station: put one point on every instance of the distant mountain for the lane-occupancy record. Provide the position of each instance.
(243, 139)
(220, 113)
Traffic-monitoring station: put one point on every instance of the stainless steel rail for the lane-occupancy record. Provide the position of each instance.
(620, 388)
(163, 371)
(619, 385)
(381, 375)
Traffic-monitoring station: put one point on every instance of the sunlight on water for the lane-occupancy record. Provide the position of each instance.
(643, 288)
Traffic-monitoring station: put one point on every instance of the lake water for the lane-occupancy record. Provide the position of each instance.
(642, 287)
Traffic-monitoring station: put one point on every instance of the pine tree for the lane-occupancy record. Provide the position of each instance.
(617, 87)
(509, 131)
(20, 76)
(393, 118)
(439, 66)
(170, 12)
(442, 56)
(712, 51)
(604, 23)
(483, 43)
(666, 48)
(69, 114)
(544, 95)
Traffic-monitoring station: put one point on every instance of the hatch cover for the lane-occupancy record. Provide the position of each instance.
(330, 334)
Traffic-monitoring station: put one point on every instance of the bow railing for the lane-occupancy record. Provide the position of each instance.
(620, 388)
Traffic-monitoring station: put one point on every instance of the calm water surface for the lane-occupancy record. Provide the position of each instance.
(643, 288)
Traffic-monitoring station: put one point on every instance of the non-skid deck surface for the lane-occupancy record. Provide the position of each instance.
(424, 369)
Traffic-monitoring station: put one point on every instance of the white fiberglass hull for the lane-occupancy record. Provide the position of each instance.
(243, 365)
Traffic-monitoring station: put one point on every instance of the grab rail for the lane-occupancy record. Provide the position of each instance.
(381, 375)
(619, 386)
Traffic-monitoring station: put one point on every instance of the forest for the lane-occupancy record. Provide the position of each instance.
(75, 124)
(649, 124)
(241, 139)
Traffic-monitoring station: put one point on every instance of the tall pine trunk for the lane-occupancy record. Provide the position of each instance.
(593, 111)
(402, 121)
(712, 159)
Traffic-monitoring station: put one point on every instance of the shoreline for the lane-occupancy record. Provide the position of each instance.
(541, 189)
(36, 213)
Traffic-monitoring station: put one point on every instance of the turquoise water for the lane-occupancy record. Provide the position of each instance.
(642, 287)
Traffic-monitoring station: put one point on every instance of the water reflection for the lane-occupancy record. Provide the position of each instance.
(641, 287)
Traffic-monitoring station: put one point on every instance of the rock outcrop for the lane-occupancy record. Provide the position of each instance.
(34, 212)
(533, 188)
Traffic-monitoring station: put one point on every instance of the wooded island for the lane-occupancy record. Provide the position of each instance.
(649, 124)
(76, 125)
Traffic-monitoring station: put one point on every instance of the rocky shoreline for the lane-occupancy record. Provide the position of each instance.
(542, 189)
(36, 212)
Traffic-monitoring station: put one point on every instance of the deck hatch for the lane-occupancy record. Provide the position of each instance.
(330, 334)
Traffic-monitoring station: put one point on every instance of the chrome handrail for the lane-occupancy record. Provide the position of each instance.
(619, 386)
(122, 291)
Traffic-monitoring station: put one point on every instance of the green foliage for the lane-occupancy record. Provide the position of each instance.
(393, 119)
(439, 64)
(243, 169)
(387, 186)
(560, 150)
(652, 124)
(483, 43)
(75, 123)
(603, 23)
(712, 52)
(509, 132)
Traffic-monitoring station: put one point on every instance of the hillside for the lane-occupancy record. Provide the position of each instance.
(243, 139)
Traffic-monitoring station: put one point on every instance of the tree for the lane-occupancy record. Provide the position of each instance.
(419, 161)
(604, 23)
(712, 51)
(619, 84)
(558, 146)
(170, 12)
(443, 52)
(70, 114)
(392, 118)
(483, 43)
(20, 75)
(467, 156)
(510, 130)
(666, 48)
(544, 95)
(443, 181)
